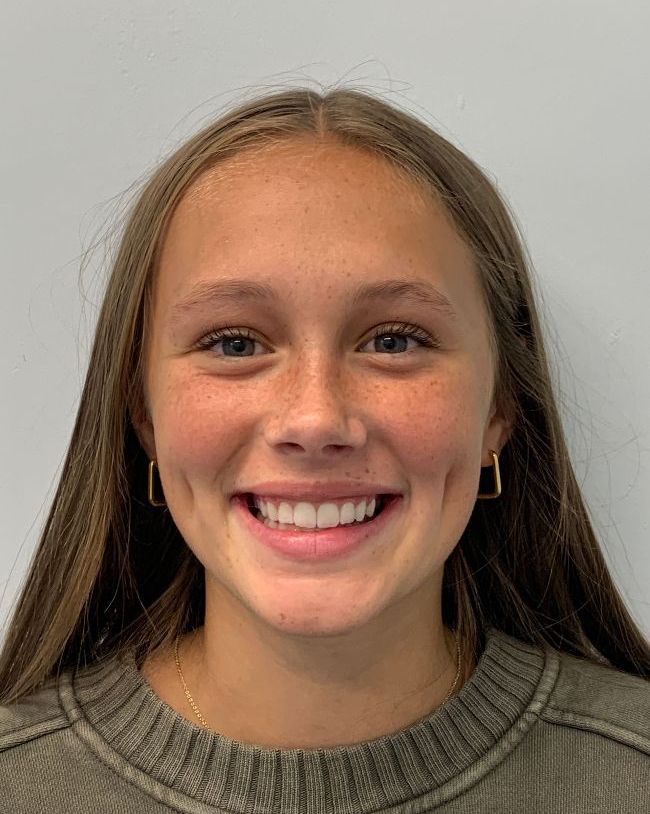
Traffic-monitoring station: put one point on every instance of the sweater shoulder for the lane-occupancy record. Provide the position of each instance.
(32, 717)
(601, 699)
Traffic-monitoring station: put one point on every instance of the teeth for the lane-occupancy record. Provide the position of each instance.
(285, 513)
(308, 516)
(348, 514)
(267, 509)
(305, 516)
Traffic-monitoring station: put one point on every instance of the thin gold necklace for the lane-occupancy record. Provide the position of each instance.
(205, 723)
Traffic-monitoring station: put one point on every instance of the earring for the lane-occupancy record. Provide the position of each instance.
(497, 478)
(153, 465)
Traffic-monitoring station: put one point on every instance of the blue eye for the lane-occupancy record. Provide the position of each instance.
(404, 331)
(237, 339)
(231, 337)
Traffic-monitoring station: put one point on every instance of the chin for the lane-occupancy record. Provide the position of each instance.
(306, 617)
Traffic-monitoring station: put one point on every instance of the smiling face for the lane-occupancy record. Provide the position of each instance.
(309, 393)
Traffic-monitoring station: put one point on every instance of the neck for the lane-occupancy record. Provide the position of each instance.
(260, 687)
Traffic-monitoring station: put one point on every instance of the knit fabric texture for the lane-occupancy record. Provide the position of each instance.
(532, 730)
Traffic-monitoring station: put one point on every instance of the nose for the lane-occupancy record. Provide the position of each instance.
(315, 414)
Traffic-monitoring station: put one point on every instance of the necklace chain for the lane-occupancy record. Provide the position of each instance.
(205, 723)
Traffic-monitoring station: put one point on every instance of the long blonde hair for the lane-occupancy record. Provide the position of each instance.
(110, 572)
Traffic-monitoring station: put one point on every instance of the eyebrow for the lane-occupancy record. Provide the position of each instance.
(237, 291)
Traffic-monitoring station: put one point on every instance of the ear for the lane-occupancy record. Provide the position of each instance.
(143, 427)
(497, 432)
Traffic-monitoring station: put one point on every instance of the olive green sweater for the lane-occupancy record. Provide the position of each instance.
(532, 730)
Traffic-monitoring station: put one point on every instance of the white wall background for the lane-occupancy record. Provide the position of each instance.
(550, 96)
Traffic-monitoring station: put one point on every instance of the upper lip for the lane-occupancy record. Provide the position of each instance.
(297, 490)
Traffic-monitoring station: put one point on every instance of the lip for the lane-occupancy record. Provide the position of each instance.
(316, 546)
(311, 492)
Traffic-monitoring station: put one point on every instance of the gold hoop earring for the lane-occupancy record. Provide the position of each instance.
(150, 486)
(497, 478)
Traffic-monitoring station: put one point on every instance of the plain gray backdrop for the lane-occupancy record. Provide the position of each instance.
(549, 97)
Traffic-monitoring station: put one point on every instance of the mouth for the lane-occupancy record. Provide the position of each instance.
(381, 502)
(318, 545)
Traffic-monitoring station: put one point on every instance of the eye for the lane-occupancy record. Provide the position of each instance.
(404, 331)
(234, 338)
(240, 340)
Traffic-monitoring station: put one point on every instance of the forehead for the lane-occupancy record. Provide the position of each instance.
(300, 212)
(296, 165)
(305, 191)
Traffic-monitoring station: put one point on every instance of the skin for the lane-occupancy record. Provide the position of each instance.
(294, 655)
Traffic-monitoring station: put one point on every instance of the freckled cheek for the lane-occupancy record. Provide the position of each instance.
(197, 425)
(436, 430)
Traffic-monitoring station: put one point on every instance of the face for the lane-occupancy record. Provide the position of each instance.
(309, 393)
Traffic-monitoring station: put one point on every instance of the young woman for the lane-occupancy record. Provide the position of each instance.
(317, 544)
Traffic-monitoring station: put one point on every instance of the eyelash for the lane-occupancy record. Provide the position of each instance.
(401, 329)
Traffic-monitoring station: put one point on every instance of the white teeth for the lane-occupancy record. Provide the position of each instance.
(303, 515)
(328, 516)
(308, 516)
(347, 513)
(285, 513)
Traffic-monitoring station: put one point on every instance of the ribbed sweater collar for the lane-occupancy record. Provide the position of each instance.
(118, 715)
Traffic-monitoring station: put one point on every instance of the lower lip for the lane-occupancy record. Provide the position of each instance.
(314, 546)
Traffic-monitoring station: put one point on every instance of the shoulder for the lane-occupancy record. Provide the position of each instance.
(31, 718)
(602, 700)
